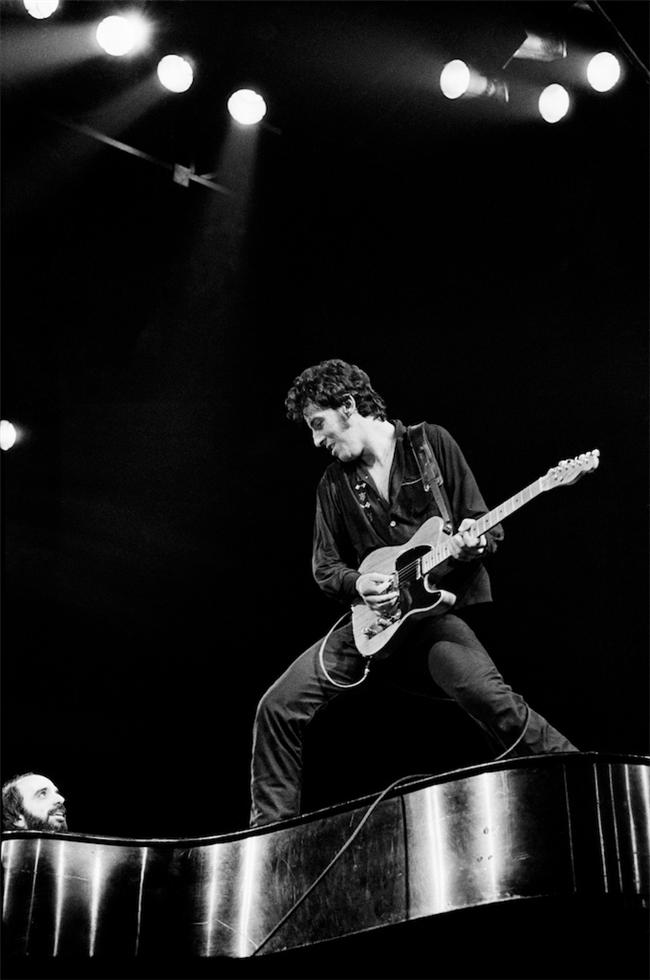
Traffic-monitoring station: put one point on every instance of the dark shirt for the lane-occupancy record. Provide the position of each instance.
(353, 519)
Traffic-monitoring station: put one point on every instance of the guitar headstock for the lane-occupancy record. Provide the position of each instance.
(568, 471)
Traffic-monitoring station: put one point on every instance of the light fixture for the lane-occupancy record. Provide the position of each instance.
(175, 73)
(40, 9)
(454, 79)
(554, 103)
(246, 107)
(537, 48)
(7, 434)
(603, 71)
(458, 80)
(122, 35)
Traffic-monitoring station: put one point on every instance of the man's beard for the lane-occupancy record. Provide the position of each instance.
(37, 823)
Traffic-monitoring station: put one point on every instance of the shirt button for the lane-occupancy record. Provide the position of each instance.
(393, 523)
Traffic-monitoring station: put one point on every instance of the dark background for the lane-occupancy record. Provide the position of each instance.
(488, 270)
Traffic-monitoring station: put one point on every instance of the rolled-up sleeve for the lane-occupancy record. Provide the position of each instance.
(333, 568)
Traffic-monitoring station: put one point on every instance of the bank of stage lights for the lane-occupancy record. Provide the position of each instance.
(125, 35)
(119, 36)
(460, 80)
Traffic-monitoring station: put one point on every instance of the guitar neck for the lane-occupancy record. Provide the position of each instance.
(482, 524)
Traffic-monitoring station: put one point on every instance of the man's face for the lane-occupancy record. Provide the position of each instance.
(43, 807)
(331, 429)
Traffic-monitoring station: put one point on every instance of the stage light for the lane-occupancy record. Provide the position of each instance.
(40, 9)
(454, 80)
(457, 79)
(175, 73)
(121, 35)
(554, 103)
(7, 434)
(603, 71)
(536, 48)
(246, 107)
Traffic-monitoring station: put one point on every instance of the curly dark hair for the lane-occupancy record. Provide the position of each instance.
(328, 385)
(12, 801)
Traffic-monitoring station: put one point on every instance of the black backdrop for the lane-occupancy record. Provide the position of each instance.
(488, 270)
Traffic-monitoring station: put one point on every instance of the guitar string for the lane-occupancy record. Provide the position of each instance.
(440, 552)
(503, 510)
(408, 572)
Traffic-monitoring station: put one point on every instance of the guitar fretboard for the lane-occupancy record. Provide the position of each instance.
(442, 552)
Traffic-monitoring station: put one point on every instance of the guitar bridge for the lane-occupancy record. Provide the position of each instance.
(381, 623)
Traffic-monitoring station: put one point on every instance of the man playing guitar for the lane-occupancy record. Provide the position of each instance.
(376, 503)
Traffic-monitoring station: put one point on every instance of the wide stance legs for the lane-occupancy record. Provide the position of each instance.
(457, 662)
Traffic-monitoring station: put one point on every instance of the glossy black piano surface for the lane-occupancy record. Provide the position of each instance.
(492, 851)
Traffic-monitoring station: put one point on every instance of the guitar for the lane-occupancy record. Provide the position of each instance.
(417, 566)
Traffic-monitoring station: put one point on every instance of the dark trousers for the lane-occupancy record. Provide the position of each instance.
(456, 662)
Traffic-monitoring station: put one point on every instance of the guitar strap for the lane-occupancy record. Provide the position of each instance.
(430, 470)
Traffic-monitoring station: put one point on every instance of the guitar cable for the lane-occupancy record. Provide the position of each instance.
(336, 857)
(403, 779)
(517, 740)
(366, 671)
(321, 658)
(366, 816)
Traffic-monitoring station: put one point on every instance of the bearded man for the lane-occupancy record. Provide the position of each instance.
(32, 802)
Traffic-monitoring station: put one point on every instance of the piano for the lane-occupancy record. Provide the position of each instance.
(530, 849)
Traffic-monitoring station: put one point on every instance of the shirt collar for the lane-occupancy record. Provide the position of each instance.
(356, 467)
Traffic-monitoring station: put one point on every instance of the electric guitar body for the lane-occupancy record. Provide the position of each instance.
(417, 599)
